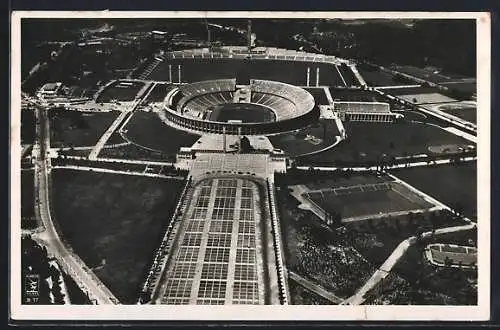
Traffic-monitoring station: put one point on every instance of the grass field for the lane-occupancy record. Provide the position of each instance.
(74, 128)
(355, 95)
(116, 218)
(28, 220)
(120, 92)
(158, 93)
(454, 185)
(146, 129)
(276, 70)
(247, 113)
(354, 202)
(313, 138)
(368, 141)
(337, 181)
(469, 114)
(378, 78)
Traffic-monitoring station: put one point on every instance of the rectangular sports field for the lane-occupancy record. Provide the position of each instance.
(360, 201)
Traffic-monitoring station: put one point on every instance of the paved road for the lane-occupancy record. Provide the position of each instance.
(105, 170)
(314, 288)
(410, 163)
(49, 237)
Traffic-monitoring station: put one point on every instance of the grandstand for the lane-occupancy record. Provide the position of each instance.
(365, 111)
(198, 106)
(451, 255)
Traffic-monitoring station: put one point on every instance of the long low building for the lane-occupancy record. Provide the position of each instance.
(365, 111)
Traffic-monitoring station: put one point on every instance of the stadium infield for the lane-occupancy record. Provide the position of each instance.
(113, 222)
(246, 112)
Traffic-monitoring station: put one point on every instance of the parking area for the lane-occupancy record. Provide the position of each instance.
(216, 260)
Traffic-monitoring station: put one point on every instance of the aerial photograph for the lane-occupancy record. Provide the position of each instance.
(249, 161)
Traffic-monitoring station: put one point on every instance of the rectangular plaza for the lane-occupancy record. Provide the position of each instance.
(217, 259)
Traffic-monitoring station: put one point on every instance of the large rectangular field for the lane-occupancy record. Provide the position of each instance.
(78, 129)
(113, 222)
(225, 68)
(356, 95)
(366, 200)
(452, 184)
(367, 142)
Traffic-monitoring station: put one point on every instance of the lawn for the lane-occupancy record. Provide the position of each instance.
(120, 92)
(355, 95)
(319, 95)
(366, 142)
(310, 139)
(28, 219)
(277, 70)
(159, 92)
(376, 77)
(452, 184)
(357, 203)
(114, 223)
(469, 114)
(78, 129)
(146, 129)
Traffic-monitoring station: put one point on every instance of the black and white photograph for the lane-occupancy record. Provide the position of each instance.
(330, 163)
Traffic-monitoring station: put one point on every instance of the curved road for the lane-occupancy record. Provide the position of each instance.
(49, 236)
